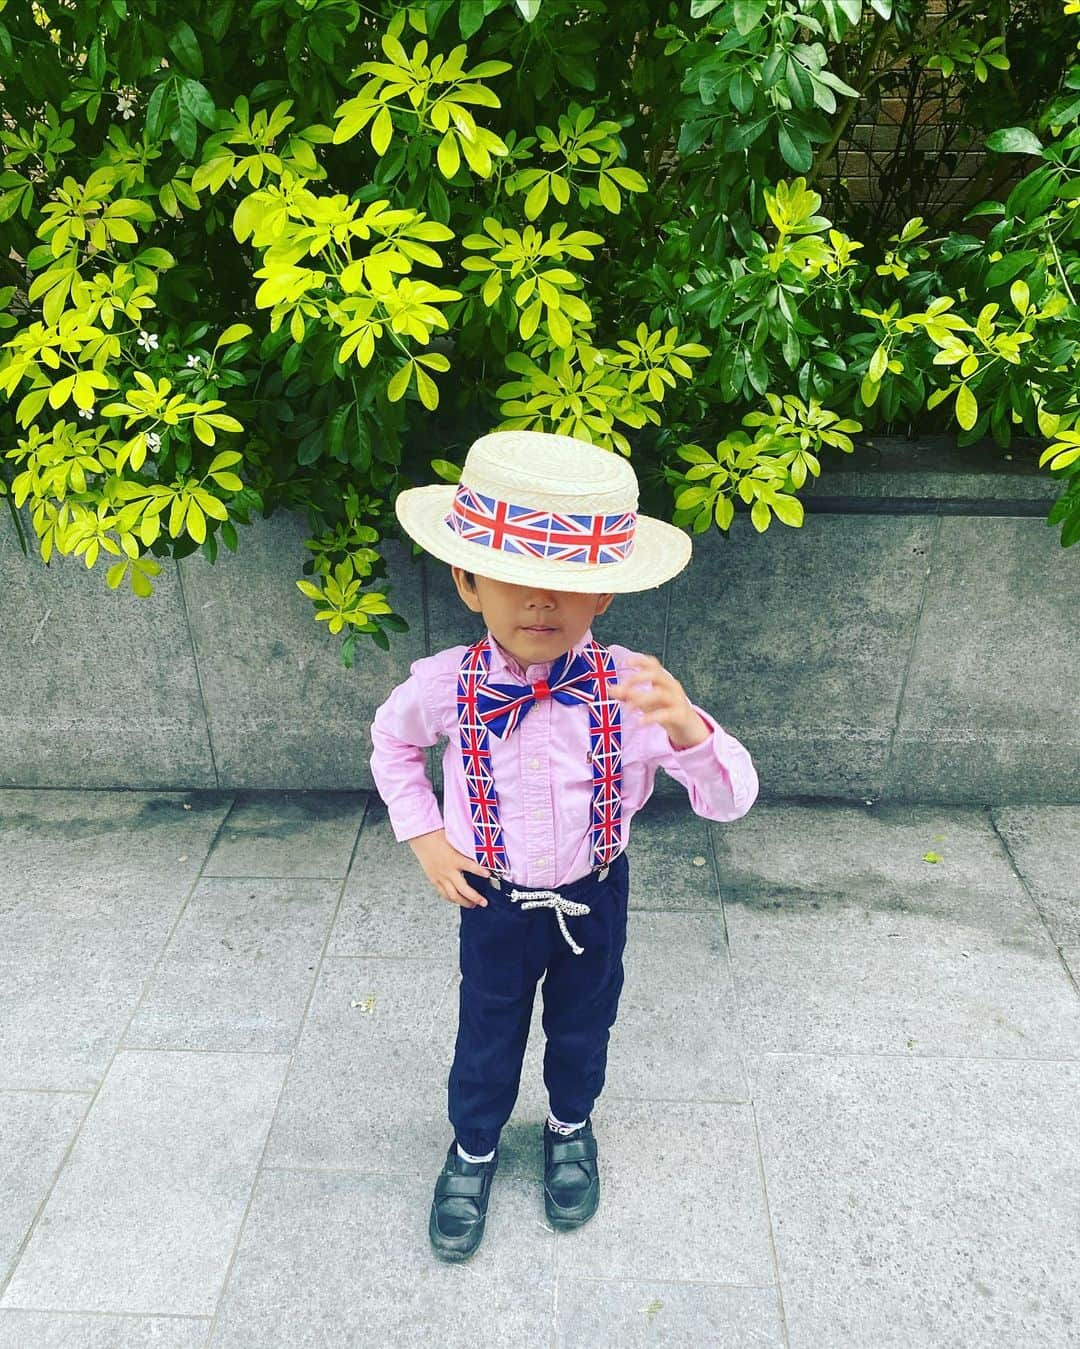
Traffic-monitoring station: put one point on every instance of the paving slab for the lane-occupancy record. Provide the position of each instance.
(144, 1214)
(650, 1313)
(91, 884)
(342, 1259)
(839, 1110)
(923, 1202)
(859, 943)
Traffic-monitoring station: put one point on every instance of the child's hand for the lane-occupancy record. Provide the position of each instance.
(665, 702)
(443, 865)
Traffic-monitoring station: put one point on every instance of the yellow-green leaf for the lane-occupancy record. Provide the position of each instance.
(196, 522)
(1019, 294)
(609, 194)
(559, 328)
(176, 514)
(537, 198)
(967, 408)
(203, 430)
(232, 334)
(382, 131)
(427, 389)
(400, 382)
(61, 391)
(448, 155)
(225, 459)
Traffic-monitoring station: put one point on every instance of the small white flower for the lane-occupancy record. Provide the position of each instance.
(153, 442)
(88, 413)
(192, 359)
(147, 340)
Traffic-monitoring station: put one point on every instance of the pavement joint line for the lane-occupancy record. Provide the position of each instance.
(738, 1042)
(237, 876)
(554, 1290)
(198, 675)
(931, 553)
(96, 1311)
(1030, 897)
(660, 1278)
(892, 1054)
(285, 1077)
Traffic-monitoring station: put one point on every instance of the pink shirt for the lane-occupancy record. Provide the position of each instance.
(543, 778)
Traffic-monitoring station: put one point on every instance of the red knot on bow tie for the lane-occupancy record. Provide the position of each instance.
(540, 689)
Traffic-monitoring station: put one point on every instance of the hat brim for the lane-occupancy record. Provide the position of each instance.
(660, 551)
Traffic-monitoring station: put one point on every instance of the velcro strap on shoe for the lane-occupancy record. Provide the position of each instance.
(572, 1150)
(470, 1186)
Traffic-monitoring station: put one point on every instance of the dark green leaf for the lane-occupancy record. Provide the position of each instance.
(470, 16)
(1009, 266)
(1014, 140)
(184, 134)
(757, 371)
(195, 99)
(159, 109)
(795, 148)
(741, 91)
(739, 137)
(185, 46)
(748, 14)
(95, 60)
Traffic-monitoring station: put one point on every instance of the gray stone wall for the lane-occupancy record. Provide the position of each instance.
(916, 639)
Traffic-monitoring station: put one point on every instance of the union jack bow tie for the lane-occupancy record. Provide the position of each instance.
(502, 706)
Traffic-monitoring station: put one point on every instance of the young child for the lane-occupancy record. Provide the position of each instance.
(553, 741)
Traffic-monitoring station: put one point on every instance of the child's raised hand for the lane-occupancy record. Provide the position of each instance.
(664, 702)
(443, 866)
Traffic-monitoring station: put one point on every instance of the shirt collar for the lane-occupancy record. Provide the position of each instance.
(503, 661)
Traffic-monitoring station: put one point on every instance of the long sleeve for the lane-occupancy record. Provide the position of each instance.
(718, 774)
(400, 729)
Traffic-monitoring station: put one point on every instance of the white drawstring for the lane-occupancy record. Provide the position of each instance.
(553, 900)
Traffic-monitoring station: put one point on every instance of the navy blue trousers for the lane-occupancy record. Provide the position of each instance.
(504, 950)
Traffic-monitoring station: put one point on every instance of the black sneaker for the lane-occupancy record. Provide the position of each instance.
(459, 1208)
(571, 1176)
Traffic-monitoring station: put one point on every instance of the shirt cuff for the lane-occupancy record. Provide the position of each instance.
(415, 816)
(719, 766)
(704, 750)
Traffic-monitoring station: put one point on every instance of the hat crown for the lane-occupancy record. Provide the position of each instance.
(550, 472)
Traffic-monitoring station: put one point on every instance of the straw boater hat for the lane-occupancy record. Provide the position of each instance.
(540, 509)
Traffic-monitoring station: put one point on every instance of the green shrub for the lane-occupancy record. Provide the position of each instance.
(275, 254)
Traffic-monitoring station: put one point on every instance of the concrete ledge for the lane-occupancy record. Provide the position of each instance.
(915, 640)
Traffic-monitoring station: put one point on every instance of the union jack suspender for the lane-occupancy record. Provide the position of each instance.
(605, 742)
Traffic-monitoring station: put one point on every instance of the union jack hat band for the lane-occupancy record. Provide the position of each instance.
(542, 509)
(600, 539)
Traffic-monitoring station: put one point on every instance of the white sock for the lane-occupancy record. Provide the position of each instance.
(470, 1158)
(559, 1127)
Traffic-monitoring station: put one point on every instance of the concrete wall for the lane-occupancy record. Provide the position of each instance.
(916, 639)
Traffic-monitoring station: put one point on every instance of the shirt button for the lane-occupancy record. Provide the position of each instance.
(541, 861)
(538, 814)
(534, 763)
